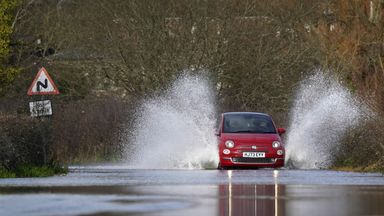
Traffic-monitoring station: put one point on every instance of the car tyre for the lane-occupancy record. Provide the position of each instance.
(219, 167)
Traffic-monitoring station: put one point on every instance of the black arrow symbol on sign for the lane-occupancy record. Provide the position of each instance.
(40, 84)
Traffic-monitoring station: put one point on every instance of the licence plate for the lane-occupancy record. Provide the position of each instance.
(254, 154)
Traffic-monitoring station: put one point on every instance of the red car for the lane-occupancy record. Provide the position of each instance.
(249, 139)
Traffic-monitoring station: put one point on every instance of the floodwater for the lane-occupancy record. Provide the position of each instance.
(113, 190)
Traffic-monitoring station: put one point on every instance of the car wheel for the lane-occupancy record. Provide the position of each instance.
(219, 167)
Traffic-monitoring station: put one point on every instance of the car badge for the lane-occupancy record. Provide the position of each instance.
(254, 147)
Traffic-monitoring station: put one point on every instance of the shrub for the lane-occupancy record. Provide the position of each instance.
(88, 130)
(25, 141)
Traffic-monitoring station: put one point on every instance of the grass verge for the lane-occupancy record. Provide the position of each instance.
(4, 173)
(32, 171)
(371, 168)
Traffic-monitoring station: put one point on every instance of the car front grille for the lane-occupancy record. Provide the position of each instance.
(254, 160)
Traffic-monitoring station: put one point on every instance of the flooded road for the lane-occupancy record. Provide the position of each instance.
(120, 191)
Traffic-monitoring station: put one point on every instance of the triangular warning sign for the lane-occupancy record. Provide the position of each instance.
(43, 84)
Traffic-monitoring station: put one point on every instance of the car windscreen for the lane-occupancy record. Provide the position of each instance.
(248, 123)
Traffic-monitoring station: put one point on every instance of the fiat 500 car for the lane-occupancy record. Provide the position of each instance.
(249, 139)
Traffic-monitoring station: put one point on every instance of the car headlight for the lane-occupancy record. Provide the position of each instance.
(229, 144)
(276, 144)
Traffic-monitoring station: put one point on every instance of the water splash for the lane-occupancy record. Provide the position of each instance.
(177, 130)
(322, 113)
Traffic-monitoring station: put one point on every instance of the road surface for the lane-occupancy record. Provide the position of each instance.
(114, 190)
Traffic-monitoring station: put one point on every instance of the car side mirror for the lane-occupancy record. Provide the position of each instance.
(280, 130)
(217, 133)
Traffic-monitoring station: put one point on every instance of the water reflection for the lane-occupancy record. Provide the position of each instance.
(190, 193)
(250, 199)
(276, 199)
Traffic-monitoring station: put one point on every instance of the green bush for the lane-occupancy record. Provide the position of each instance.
(25, 140)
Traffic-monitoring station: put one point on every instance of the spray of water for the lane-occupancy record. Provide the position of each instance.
(322, 113)
(176, 130)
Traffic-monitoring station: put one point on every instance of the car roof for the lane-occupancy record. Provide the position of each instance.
(254, 113)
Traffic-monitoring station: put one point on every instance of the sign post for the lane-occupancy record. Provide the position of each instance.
(43, 85)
